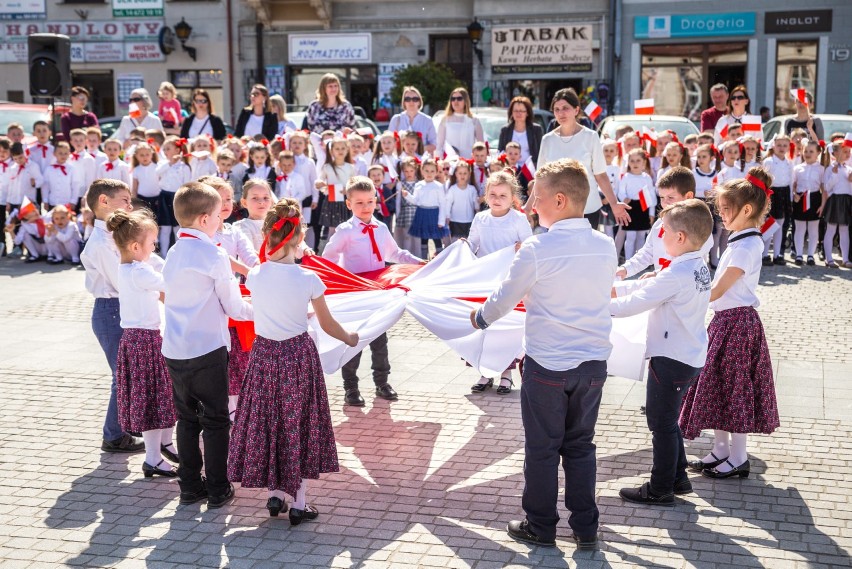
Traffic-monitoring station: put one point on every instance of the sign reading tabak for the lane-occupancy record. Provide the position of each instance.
(541, 49)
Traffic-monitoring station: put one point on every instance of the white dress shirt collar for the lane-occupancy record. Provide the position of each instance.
(194, 234)
(571, 223)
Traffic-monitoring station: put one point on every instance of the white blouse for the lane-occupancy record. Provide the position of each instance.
(585, 147)
(489, 234)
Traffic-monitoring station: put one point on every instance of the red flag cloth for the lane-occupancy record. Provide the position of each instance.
(770, 221)
(332, 193)
(383, 204)
(662, 232)
(592, 110)
(41, 228)
(61, 167)
(481, 300)
(806, 201)
(642, 200)
(643, 106)
(664, 263)
(528, 170)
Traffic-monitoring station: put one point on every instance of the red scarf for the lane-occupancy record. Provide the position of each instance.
(76, 155)
(109, 166)
(43, 149)
(281, 177)
(370, 229)
(61, 167)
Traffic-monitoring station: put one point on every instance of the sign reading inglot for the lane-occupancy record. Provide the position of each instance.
(541, 49)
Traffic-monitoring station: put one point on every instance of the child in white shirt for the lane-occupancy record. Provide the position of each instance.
(462, 201)
(63, 237)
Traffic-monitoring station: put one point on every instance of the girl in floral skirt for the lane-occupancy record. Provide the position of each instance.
(735, 393)
(143, 384)
(282, 435)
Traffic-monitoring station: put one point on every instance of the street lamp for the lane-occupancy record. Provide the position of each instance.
(474, 32)
(183, 31)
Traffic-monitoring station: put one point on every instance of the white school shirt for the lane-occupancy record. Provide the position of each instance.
(65, 235)
(631, 185)
(58, 187)
(86, 166)
(613, 172)
(585, 147)
(462, 204)
(173, 176)
(678, 298)
(139, 287)
(99, 156)
(838, 184)
(430, 195)
(746, 254)
(337, 177)
(728, 173)
(564, 277)
(23, 182)
(237, 245)
(118, 169)
(252, 229)
(781, 170)
(654, 252)
(489, 234)
(808, 177)
(703, 181)
(280, 294)
(308, 169)
(100, 258)
(42, 155)
(201, 292)
(293, 187)
(351, 248)
(149, 181)
(6, 169)
(200, 167)
(360, 166)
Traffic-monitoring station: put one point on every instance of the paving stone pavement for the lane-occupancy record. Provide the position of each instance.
(430, 480)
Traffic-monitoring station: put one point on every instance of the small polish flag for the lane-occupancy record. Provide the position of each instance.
(173, 114)
(644, 200)
(724, 132)
(848, 140)
(806, 201)
(799, 94)
(135, 111)
(450, 152)
(752, 125)
(528, 169)
(27, 207)
(332, 193)
(390, 171)
(643, 106)
(767, 225)
(593, 111)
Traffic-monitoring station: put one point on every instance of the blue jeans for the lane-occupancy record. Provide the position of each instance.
(668, 382)
(106, 323)
(559, 410)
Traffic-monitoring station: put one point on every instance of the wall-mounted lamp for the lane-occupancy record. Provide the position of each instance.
(183, 31)
(474, 32)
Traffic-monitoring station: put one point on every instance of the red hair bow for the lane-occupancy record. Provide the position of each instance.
(264, 141)
(263, 254)
(755, 182)
(502, 158)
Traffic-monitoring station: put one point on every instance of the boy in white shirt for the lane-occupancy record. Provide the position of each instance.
(359, 245)
(114, 168)
(566, 340)
(678, 298)
(82, 160)
(61, 182)
(201, 293)
(62, 237)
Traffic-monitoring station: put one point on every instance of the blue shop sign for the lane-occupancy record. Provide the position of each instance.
(694, 25)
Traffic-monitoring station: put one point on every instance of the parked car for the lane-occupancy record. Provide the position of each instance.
(495, 118)
(109, 127)
(298, 117)
(26, 115)
(680, 125)
(830, 124)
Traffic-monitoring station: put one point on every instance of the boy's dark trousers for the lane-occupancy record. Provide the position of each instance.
(200, 387)
(381, 364)
(668, 382)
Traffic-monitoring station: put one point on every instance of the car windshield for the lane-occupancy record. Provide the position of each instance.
(24, 117)
(681, 128)
(491, 126)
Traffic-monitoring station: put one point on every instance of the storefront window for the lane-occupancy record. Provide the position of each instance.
(209, 79)
(678, 77)
(796, 69)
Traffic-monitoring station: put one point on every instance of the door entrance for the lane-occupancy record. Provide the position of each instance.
(100, 85)
(730, 75)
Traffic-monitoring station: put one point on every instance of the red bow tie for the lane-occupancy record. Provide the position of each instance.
(76, 155)
(664, 263)
(4, 166)
(61, 167)
(109, 166)
(281, 177)
(481, 174)
(370, 228)
(43, 150)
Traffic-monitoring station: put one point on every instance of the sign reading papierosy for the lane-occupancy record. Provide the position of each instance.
(330, 48)
(541, 49)
(137, 8)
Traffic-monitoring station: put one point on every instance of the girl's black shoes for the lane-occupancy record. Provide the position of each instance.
(299, 516)
(275, 505)
(480, 387)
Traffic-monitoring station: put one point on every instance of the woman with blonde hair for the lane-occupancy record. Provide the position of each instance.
(458, 126)
(257, 118)
(330, 110)
(413, 120)
(279, 107)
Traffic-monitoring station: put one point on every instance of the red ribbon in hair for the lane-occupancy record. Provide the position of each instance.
(502, 158)
(263, 254)
(264, 141)
(755, 182)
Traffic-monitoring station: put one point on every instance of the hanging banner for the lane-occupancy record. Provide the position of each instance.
(330, 48)
(137, 8)
(541, 49)
(85, 31)
(386, 73)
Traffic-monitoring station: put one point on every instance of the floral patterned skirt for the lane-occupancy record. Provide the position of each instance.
(143, 384)
(237, 363)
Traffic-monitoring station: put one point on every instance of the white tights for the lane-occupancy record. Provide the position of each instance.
(299, 501)
(166, 237)
(631, 240)
(153, 440)
(812, 229)
(731, 446)
(720, 243)
(828, 242)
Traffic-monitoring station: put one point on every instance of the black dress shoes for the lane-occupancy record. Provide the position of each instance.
(480, 387)
(123, 444)
(520, 531)
(353, 398)
(150, 471)
(644, 495)
(306, 515)
(683, 487)
(187, 497)
(700, 465)
(742, 471)
(386, 392)
(168, 451)
(275, 506)
(585, 543)
(214, 502)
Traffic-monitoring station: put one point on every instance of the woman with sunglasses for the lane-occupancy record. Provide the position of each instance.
(202, 120)
(805, 120)
(257, 118)
(521, 129)
(141, 119)
(330, 110)
(458, 126)
(738, 109)
(411, 119)
(77, 116)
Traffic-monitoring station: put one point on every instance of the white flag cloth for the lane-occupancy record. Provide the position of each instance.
(440, 296)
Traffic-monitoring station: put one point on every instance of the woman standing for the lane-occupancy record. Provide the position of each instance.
(572, 140)
(330, 110)
(202, 120)
(146, 120)
(279, 107)
(77, 116)
(805, 120)
(458, 125)
(739, 106)
(258, 117)
(411, 119)
(521, 129)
